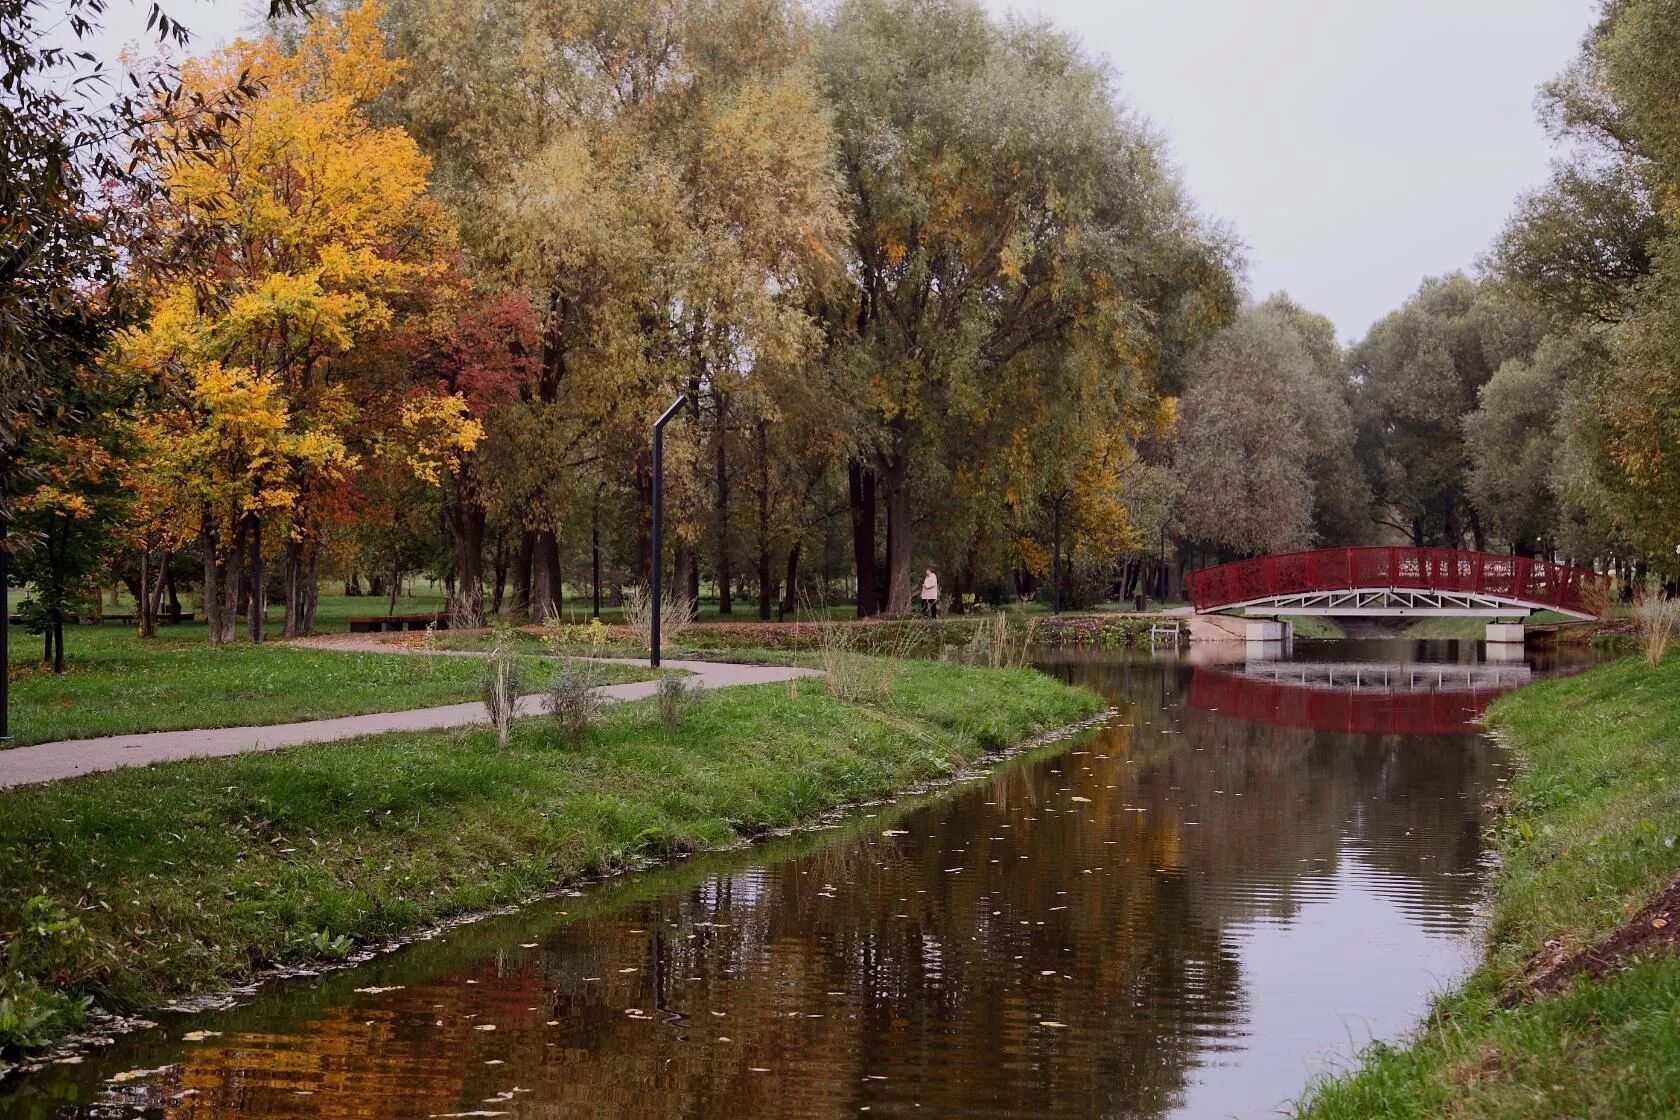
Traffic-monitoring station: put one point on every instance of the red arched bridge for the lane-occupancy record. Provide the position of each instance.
(1397, 582)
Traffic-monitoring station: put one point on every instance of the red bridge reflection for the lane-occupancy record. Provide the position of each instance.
(1394, 699)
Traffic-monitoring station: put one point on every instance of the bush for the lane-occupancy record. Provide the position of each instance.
(1657, 620)
(30, 1015)
(573, 704)
(997, 643)
(677, 614)
(501, 684)
(677, 697)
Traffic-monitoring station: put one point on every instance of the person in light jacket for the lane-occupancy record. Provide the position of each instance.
(930, 594)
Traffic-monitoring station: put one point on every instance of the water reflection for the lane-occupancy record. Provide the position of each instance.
(1185, 914)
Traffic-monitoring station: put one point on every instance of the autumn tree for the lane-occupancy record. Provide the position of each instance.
(656, 180)
(309, 230)
(69, 492)
(1011, 226)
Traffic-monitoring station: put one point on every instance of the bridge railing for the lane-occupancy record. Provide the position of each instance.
(1414, 569)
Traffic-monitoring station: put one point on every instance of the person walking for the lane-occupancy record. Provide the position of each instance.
(930, 595)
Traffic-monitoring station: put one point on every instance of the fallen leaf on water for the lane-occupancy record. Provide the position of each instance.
(200, 1036)
(137, 1074)
(1086, 800)
(485, 1027)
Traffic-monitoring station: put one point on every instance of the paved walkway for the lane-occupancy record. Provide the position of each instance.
(69, 758)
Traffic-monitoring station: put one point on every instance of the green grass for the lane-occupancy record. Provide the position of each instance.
(1592, 833)
(117, 684)
(189, 875)
(1315, 628)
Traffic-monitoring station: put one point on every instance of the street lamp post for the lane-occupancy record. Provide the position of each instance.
(658, 604)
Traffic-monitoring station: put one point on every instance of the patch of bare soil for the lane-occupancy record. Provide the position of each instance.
(1653, 932)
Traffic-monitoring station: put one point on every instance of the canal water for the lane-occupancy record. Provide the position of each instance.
(1255, 868)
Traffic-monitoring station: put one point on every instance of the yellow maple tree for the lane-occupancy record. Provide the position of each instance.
(309, 233)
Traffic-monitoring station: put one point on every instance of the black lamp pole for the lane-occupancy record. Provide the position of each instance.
(658, 604)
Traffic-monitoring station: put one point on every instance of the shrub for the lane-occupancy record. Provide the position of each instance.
(677, 697)
(997, 643)
(31, 1015)
(1656, 620)
(677, 614)
(501, 684)
(573, 704)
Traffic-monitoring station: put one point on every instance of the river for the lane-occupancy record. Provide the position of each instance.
(1254, 869)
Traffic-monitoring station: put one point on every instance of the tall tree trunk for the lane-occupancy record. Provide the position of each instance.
(682, 570)
(726, 604)
(644, 523)
(545, 575)
(254, 620)
(501, 565)
(595, 561)
(170, 591)
(143, 601)
(1056, 556)
(895, 478)
(311, 587)
(522, 574)
(212, 573)
(766, 588)
(292, 615)
(466, 526)
(860, 485)
(791, 583)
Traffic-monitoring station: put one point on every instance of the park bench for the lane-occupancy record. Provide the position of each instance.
(378, 623)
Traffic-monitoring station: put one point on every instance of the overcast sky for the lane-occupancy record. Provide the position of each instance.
(1356, 146)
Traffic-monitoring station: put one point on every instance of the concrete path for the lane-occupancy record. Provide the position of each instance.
(69, 758)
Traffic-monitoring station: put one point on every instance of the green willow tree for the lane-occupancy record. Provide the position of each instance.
(1015, 241)
(1417, 374)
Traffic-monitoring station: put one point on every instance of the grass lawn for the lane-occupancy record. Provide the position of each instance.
(1592, 834)
(1315, 628)
(116, 684)
(182, 877)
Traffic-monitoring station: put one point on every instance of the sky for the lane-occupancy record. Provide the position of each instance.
(1354, 146)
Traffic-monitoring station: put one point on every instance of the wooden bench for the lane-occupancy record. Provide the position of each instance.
(381, 623)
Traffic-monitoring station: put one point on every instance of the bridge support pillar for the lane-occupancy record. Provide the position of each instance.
(1266, 630)
(1506, 633)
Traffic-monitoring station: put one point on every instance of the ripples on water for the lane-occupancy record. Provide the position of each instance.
(1188, 913)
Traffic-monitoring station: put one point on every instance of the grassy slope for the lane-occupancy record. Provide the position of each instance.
(189, 874)
(116, 684)
(1314, 627)
(1591, 835)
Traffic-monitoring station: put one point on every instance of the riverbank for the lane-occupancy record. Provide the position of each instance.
(133, 888)
(1571, 1013)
